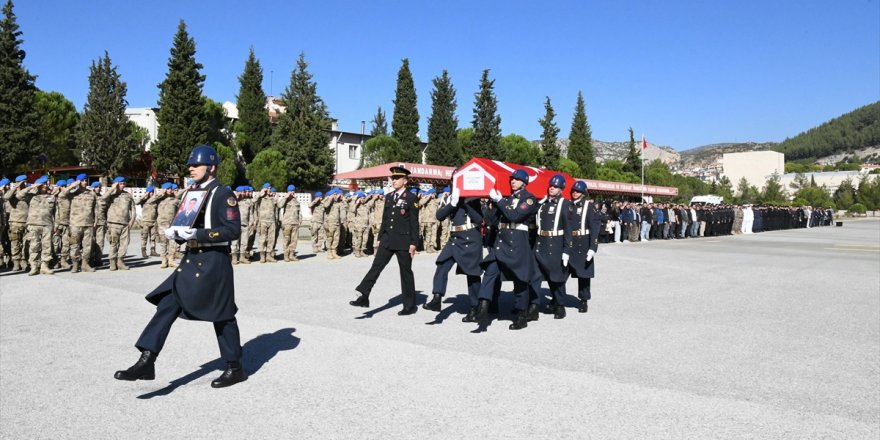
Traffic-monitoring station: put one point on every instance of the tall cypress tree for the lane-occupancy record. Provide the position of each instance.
(182, 120)
(486, 123)
(380, 124)
(302, 135)
(633, 162)
(580, 140)
(443, 147)
(549, 148)
(104, 132)
(405, 124)
(253, 128)
(19, 120)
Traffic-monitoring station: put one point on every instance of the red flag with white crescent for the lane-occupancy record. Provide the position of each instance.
(644, 143)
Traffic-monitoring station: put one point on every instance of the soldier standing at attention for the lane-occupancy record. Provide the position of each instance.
(18, 214)
(165, 211)
(266, 219)
(100, 225)
(61, 232)
(202, 288)
(376, 217)
(120, 218)
(82, 223)
(397, 237)
(332, 216)
(444, 224)
(317, 222)
(149, 213)
(359, 226)
(290, 222)
(585, 222)
(246, 210)
(552, 247)
(4, 222)
(41, 215)
(429, 229)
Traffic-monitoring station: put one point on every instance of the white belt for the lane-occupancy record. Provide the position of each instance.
(580, 232)
(517, 226)
(549, 233)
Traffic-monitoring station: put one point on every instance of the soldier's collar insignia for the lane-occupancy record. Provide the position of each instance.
(232, 201)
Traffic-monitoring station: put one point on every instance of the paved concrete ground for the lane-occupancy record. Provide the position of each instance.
(774, 335)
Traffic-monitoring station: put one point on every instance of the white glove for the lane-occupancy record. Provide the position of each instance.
(590, 254)
(187, 234)
(564, 260)
(453, 199)
(170, 233)
(494, 195)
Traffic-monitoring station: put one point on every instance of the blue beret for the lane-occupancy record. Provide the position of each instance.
(150, 188)
(119, 179)
(249, 188)
(318, 194)
(290, 188)
(42, 180)
(238, 189)
(432, 191)
(62, 182)
(4, 181)
(414, 191)
(95, 184)
(173, 186)
(267, 185)
(166, 185)
(82, 176)
(446, 189)
(20, 178)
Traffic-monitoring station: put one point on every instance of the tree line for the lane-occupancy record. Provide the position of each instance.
(857, 129)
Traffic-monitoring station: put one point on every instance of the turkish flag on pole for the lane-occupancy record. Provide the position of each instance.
(644, 143)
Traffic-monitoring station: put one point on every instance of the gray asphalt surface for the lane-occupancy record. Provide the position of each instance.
(773, 335)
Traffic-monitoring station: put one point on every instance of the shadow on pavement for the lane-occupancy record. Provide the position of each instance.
(255, 353)
(460, 304)
(396, 301)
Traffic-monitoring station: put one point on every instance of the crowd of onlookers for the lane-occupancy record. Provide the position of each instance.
(630, 221)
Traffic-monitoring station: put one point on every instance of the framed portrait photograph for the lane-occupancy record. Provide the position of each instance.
(189, 209)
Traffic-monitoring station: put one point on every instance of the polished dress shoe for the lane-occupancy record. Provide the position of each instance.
(434, 304)
(520, 322)
(583, 307)
(470, 315)
(482, 311)
(234, 374)
(532, 312)
(143, 369)
(408, 311)
(362, 301)
(559, 313)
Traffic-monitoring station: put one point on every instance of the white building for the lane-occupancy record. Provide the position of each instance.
(757, 167)
(146, 118)
(830, 180)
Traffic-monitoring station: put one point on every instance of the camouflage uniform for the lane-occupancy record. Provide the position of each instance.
(4, 224)
(82, 225)
(332, 219)
(100, 228)
(120, 216)
(246, 213)
(360, 225)
(17, 209)
(290, 222)
(446, 223)
(41, 216)
(149, 228)
(61, 232)
(317, 225)
(428, 206)
(166, 209)
(266, 220)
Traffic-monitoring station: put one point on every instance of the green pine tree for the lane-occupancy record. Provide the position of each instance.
(486, 122)
(19, 120)
(253, 129)
(405, 125)
(632, 162)
(443, 148)
(302, 134)
(104, 133)
(549, 148)
(270, 166)
(183, 123)
(580, 141)
(58, 120)
(380, 124)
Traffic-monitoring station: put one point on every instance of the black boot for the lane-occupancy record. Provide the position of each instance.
(143, 369)
(234, 374)
(482, 311)
(520, 322)
(470, 315)
(532, 312)
(362, 301)
(559, 313)
(583, 307)
(493, 308)
(434, 304)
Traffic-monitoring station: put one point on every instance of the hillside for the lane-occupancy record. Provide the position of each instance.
(705, 156)
(605, 151)
(852, 133)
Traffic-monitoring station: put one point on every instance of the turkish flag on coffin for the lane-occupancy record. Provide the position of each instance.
(478, 176)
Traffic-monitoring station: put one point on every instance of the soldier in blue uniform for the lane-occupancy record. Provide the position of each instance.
(464, 248)
(398, 236)
(552, 247)
(510, 252)
(202, 287)
(585, 221)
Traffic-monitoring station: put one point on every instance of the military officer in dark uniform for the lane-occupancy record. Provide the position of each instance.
(585, 220)
(510, 253)
(552, 248)
(202, 287)
(464, 248)
(398, 236)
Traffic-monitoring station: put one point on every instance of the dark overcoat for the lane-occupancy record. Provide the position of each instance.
(203, 284)
(465, 247)
(400, 222)
(553, 217)
(583, 218)
(511, 249)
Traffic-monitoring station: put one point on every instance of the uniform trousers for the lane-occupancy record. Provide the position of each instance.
(40, 244)
(149, 233)
(332, 236)
(492, 281)
(407, 280)
(267, 239)
(61, 241)
(119, 236)
(80, 240)
(318, 243)
(441, 279)
(359, 237)
(289, 238)
(154, 334)
(584, 288)
(17, 232)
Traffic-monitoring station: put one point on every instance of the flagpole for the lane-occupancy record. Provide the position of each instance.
(643, 167)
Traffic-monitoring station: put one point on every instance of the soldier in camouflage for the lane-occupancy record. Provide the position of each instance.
(82, 222)
(17, 209)
(376, 217)
(246, 212)
(61, 232)
(165, 211)
(149, 230)
(332, 221)
(360, 224)
(41, 217)
(120, 218)
(290, 221)
(100, 225)
(266, 221)
(317, 223)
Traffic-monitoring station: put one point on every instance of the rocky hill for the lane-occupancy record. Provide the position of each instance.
(605, 150)
(707, 155)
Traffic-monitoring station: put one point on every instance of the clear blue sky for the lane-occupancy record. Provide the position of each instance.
(685, 73)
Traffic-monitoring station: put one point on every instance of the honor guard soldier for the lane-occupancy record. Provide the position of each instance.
(464, 248)
(82, 223)
(511, 252)
(18, 215)
(585, 221)
(398, 236)
(552, 247)
(290, 222)
(202, 287)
